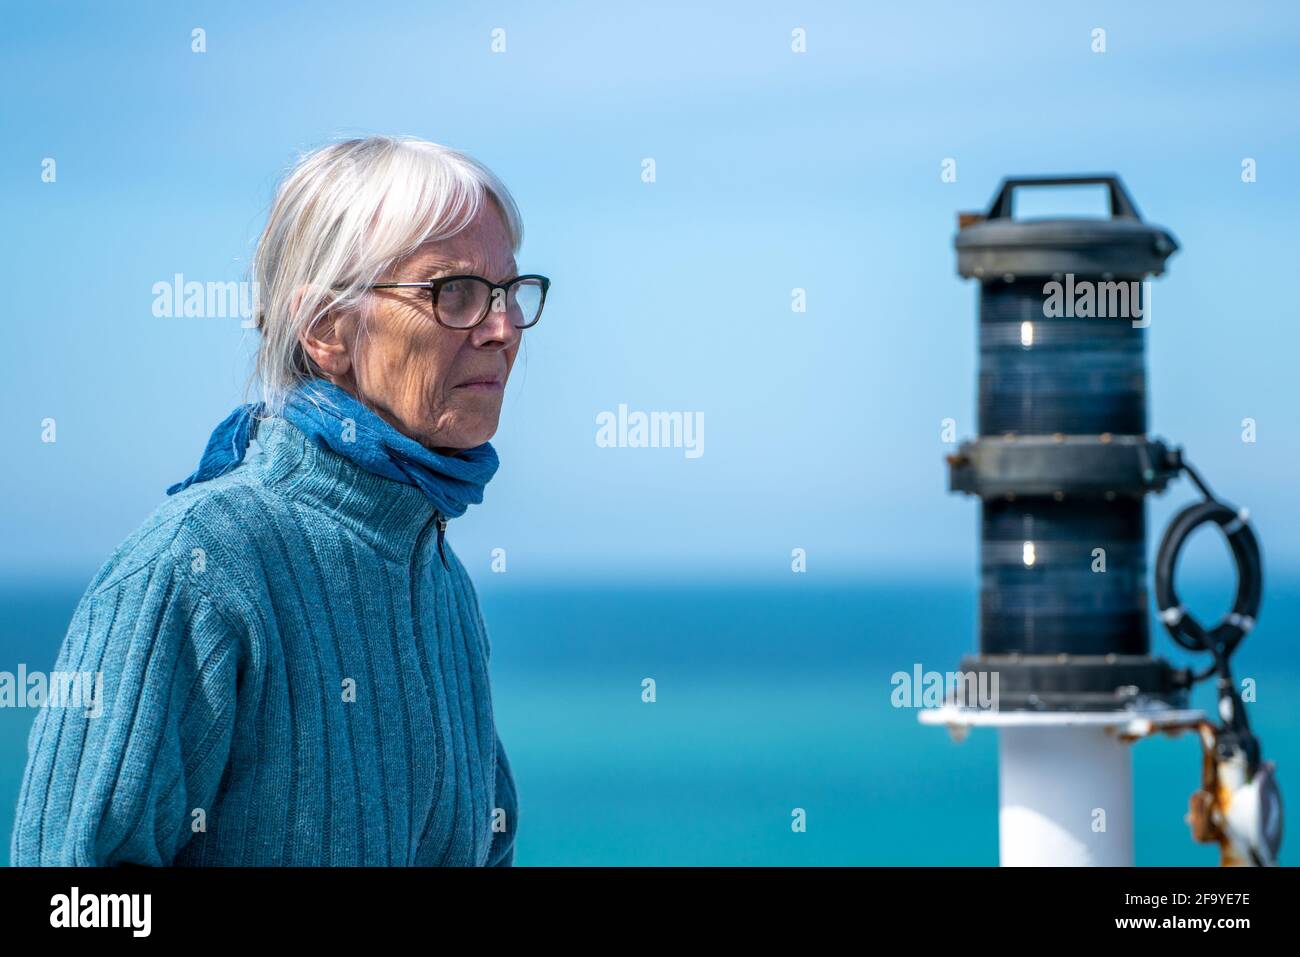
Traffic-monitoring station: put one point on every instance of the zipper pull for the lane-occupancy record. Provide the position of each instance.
(442, 531)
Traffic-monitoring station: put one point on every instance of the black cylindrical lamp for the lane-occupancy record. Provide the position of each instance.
(1063, 463)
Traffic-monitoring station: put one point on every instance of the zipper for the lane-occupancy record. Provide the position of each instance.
(415, 554)
(413, 593)
(442, 532)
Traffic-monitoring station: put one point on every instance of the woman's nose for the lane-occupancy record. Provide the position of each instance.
(498, 326)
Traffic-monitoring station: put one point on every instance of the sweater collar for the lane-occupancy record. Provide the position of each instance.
(328, 420)
(334, 418)
(386, 514)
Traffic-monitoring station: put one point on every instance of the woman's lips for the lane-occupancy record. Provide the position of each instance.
(482, 385)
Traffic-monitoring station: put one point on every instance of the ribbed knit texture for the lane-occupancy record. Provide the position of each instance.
(231, 629)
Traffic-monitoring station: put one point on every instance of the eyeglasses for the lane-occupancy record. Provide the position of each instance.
(462, 302)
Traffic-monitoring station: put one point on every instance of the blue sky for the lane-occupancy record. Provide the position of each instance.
(775, 170)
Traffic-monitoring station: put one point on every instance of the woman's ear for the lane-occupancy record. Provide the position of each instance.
(327, 341)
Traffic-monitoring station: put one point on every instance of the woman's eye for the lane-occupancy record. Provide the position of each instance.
(452, 292)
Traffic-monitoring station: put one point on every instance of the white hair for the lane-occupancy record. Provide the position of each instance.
(341, 219)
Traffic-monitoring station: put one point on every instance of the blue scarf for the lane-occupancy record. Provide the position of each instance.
(320, 410)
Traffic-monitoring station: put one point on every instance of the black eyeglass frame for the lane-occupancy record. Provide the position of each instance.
(435, 285)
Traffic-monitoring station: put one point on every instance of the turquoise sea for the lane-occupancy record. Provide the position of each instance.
(770, 696)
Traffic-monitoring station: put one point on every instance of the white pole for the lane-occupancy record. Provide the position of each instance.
(1066, 797)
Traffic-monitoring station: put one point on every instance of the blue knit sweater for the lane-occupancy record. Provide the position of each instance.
(290, 677)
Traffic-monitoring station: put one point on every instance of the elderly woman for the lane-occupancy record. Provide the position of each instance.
(295, 667)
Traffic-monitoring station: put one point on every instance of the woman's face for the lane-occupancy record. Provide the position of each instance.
(442, 387)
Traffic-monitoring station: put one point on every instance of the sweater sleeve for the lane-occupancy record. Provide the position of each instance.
(502, 852)
(126, 772)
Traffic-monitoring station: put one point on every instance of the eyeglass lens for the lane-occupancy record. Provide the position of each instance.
(462, 302)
